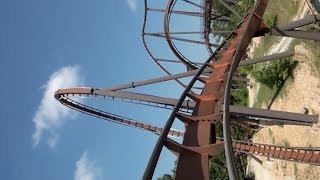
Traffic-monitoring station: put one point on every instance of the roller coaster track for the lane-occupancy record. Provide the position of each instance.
(168, 35)
(296, 154)
(144, 42)
(214, 97)
(207, 24)
(177, 53)
(199, 112)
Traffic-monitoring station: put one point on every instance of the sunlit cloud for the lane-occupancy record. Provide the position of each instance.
(86, 169)
(132, 5)
(50, 114)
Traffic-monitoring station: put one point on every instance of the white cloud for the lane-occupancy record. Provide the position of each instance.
(85, 169)
(132, 5)
(50, 114)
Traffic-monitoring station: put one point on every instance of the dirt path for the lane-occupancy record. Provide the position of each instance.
(302, 92)
(282, 46)
(285, 42)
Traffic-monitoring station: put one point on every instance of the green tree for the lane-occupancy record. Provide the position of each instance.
(240, 6)
(166, 177)
(273, 73)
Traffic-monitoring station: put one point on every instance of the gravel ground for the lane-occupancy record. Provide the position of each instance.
(302, 92)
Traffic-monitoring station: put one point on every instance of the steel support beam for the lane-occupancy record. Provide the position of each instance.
(249, 61)
(186, 13)
(300, 23)
(163, 79)
(221, 32)
(162, 33)
(267, 58)
(273, 115)
(193, 3)
(253, 157)
(187, 104)
(176, 61)
(296, 34)
(179, 39)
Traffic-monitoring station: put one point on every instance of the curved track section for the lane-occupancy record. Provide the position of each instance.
(175, 51)
(137, 98)
(144, 42)
(249, 27)
(295, 154)
(168, 11)
(203, 110)
(63, 97)
(214, 97)
(207, 23)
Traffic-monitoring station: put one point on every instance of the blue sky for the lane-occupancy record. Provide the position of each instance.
(45, 45)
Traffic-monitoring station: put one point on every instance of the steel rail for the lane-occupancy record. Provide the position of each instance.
(187, 106)
(94, 92)
(191, 13)
(160, 143)
(310, 154)
(193, 3)
(135, 84)
(186, 13)
(246, 62)
(180, 39)
(207, 24)
(299, 23)
(172, 46)
(147, 48)
(125, 96)
(186, 32)
(176, 61)
(294, 154)
(250, 25)
(149, 52)
(254, 21)
(113, 117)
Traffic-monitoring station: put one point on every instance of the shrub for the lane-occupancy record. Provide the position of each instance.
(273, 73)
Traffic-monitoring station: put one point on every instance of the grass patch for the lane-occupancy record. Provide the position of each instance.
(285, 10)
(314, 47)
(288, 9)
(278, 12)
(266, 95)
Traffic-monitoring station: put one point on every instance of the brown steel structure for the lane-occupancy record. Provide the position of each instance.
(201, 110)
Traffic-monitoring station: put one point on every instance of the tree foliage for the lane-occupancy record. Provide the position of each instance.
(273, 74)
(166, 177)
(241, 6)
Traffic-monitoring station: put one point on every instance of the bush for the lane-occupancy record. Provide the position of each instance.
(274, 73)
(166, 177)
(222, 173)
(271, 20)
(241, 6)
